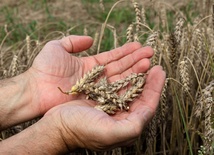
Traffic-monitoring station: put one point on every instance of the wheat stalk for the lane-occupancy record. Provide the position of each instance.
(172, 49)
(13, 70)
(137, 16)
(205, 104)
(132, 93)
(143, 15)
(28, 46)
(86, 80)
(95, 42)
(152, 39)
(205, 93)
(174, 42)
(101, 5)
(184, 75)
(163, 101)
(163, 17)
(129, 33)
(178, 30)
(85, 31)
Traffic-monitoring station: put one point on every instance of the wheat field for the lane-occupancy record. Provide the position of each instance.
(182, 36)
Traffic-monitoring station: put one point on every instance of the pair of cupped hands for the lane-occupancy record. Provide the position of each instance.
(75, 120)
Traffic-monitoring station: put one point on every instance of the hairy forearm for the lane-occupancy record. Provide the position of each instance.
(15, 99)
(41, 138)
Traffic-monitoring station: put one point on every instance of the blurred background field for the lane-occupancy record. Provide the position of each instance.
(181, 33)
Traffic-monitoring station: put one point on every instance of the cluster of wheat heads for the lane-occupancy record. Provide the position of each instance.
(105, 93)
(184, 123)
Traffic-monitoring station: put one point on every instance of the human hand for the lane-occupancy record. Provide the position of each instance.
(56, 67)
(81, 125)
(78, 124)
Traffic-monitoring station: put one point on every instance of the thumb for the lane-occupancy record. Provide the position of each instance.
(140, 118)
(132, 126)
(75, 43)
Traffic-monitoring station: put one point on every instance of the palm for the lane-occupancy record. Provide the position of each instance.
(56, 67)
(102, 131)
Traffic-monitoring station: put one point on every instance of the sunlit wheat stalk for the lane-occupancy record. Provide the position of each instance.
(137, 16)
(143, 15)
(152, 41)
(95, 42)
(184, 75)
(163, 17)
(102, 5)
(28, 46)
(163, 101)
(85, 31)
(175, 40)
(206, 99)
(129, 33)
(13, 70)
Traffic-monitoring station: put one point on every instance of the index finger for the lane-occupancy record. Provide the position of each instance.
(118, 53)
(152, 90)
(110, 56)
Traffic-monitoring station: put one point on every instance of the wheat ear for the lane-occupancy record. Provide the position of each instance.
(129, 33)
(87, 79)
(184, 75)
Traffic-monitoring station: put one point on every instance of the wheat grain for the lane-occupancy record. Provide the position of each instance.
(6, 29)
(95, 42)
(85, 31)
(152, 39)
(207, 100)
(13, 70)
(117, 85)
(86, 80)
(143, 15)
(178, 30)
(28, 46)
(137, 16)
(163, 17)
(108, 108)
(205, 93)
(132, 93)
(151, 134)
(184, 75)
(174, 42)
(163, 101)
(212, 21)
(136, 38)
(198, 48)
(208, 131)
(101, 5)
(105, 93)
(172, 49)
(129, 33)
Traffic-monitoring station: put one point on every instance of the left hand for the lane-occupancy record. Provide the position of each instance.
(56, 67)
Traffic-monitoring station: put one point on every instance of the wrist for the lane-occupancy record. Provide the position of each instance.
(17, 95)
(48, 128)
(42, 137)
(65, 135)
